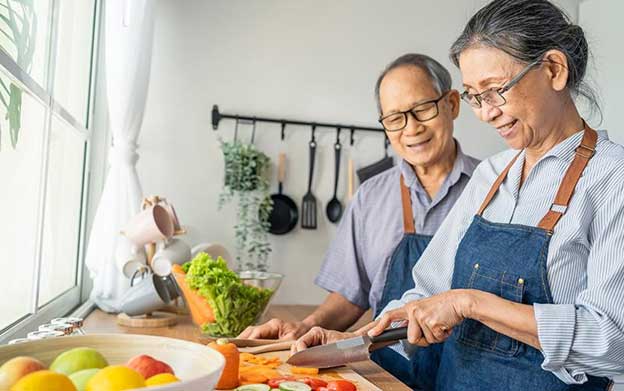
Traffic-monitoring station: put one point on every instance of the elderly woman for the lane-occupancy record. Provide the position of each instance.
(522, 287)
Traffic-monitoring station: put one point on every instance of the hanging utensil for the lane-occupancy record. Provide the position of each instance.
(284, 216)
(378, 167)
(334, 207)
(308, 208)
(350, 178)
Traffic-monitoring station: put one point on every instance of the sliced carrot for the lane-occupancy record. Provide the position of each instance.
(304, 371)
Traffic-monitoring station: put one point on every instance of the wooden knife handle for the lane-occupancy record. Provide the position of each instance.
(350, 179)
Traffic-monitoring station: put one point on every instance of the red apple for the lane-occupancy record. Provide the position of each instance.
(148, 366)
(16, 368)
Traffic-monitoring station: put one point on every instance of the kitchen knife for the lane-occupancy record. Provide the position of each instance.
(345, 351)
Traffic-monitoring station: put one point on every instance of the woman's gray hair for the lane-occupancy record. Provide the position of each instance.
(439, 75)
(526, 30)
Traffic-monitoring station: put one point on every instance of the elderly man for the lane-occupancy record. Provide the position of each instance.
(394, 214)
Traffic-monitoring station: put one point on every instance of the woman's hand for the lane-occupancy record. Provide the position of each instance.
(319, 336)
(430, 320)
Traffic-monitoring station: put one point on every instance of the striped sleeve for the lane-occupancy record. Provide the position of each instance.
(586, 337)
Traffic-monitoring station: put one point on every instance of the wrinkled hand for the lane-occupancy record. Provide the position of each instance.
(319, 336)
(275, 329)
(430, 320)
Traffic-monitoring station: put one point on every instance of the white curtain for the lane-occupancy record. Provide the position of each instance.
(128, 49)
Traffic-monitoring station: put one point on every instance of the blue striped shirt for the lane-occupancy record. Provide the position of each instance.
(583, 332)
(357, 260)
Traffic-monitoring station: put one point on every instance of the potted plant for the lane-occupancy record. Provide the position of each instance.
(18, 25)
(246, 170)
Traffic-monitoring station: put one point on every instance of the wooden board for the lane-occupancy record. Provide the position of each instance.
(101, 322)
(325, 374)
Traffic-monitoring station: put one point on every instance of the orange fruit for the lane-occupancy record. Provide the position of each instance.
(115, 378)
(161, 378)
(44, 380)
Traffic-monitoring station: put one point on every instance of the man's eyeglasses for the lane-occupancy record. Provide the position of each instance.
(421, 112)
(494, 96)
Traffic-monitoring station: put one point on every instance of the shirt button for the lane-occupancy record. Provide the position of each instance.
(476, 266)
(520, 281)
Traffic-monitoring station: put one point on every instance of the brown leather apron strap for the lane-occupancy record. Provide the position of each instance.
(584, 152)
(496, 185)
(406, 202)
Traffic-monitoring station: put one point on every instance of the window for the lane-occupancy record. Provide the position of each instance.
(46, 69)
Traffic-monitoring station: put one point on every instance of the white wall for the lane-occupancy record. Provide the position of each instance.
(603, 26)
(308, 60)
(602, 21)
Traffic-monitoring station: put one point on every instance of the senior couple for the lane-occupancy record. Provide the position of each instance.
(508, 272)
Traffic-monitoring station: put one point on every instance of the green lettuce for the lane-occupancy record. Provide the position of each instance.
(235, 305)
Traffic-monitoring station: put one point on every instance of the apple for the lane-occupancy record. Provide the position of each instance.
(81, 378)
(148, 366)
(77, 359)
(16, 368)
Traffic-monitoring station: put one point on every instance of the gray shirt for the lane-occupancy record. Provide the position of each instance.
(357, 260)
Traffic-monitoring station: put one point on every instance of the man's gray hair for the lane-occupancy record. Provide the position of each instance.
(438, 74)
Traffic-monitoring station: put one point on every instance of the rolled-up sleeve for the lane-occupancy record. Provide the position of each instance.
(588, 336)
(343, 271)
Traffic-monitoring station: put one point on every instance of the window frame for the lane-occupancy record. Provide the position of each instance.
(76, 296)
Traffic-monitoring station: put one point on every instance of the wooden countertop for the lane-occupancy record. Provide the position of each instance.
(101, 322)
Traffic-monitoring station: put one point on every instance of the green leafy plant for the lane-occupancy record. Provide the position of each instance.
(246, 180)
(235, 305)
(18, 30)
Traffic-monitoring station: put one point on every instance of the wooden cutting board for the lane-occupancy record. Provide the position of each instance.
(325, 374)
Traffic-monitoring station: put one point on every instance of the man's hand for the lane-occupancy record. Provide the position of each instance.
(276, 329)
(319, 336)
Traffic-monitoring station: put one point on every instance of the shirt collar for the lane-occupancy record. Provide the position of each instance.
(566, 149)
(460, 166)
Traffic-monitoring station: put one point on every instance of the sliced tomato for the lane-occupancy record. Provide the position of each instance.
(322, 389)
(314, 383)
(275, 382)
(341, 385)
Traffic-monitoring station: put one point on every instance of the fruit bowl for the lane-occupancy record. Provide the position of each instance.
(198, 366)
(236, 309)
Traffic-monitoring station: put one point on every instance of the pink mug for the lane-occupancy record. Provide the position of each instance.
(151, 225)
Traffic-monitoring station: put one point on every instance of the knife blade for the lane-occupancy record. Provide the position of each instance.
(345, 351)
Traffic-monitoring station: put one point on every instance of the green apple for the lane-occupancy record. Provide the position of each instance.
(77, 359)
(81, 378)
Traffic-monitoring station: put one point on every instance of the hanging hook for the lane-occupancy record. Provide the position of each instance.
(283, 130)
(313, 132)
(338, 129)
(386, 143)
(236, 131)
(352, 140)
(253, 130)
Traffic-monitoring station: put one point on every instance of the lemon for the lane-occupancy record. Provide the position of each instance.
(161, 378)
(44, 380)
(115, 378)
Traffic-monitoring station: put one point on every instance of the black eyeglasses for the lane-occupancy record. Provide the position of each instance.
(421, 112)
(494, 96)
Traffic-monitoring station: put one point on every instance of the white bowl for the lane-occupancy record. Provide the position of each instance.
(198, 366)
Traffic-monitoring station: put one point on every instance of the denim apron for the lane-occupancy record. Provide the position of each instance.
(508, 260)
(398, 280)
